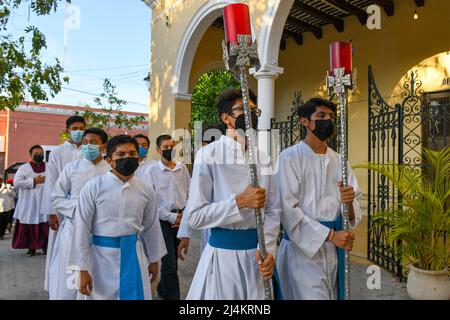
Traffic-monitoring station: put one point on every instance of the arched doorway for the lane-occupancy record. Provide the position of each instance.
(205, 93)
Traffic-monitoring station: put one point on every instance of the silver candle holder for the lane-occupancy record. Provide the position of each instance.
(237, 60)
(339, 83)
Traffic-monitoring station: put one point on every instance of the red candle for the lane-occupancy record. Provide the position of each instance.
(236, 18)
(341, 56)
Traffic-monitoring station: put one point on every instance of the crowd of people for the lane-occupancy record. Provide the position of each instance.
(110, 218)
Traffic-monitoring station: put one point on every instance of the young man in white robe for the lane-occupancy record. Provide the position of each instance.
(170, 179)
(309, 180)
(64, 197)
(144, 159)
(117, 240)
(31, 229)
(58, 159)
(221, 199)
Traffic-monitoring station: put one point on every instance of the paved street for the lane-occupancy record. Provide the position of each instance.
(22, 277)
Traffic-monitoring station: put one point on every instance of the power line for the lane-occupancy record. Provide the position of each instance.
(97, 95)
(113, 68)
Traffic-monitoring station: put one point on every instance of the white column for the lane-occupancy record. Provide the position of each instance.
(266, 77)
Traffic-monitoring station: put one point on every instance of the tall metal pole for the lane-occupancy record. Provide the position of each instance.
(344, 206)
(338, 83)
(238, 59)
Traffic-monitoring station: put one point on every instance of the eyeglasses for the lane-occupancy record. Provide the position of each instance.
(241, 107)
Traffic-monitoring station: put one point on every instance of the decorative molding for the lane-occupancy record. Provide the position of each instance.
(183, 96)
(267, 71)
(270, 34)
(190, 40)
(151, 3)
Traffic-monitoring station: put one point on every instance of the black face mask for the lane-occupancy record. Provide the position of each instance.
(240, 121)
(324, 129)
(127, 166)
(38, 158)
(167, 154)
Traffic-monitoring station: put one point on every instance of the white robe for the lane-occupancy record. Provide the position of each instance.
(110, 207)
(29, 197)
(143, 167)
(64, 198)
(58, 159)
(7, 195)
(172, 189)
(308, 184)
(228, 274)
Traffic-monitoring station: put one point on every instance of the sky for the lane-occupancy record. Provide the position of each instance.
(105, 39)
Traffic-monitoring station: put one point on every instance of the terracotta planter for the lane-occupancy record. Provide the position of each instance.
(428, 285)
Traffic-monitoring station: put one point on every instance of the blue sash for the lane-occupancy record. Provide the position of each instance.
(241, 240)
(336, 225)
(130, 273)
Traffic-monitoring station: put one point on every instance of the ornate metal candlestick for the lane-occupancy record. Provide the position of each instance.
(339, 83)
(241, 56)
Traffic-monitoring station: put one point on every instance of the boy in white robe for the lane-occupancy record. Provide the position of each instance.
(144, 160)
(170, 179)
(309, 180)
(117, 240)
(58, 159)
(221, 199)
(64, 197)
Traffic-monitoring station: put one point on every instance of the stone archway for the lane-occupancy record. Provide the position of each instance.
(198, 25)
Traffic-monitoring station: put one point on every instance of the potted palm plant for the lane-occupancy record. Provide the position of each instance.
(421, 221)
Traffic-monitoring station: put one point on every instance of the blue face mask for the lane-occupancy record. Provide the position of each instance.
(142, 152)
(76, 135)
(90, 151)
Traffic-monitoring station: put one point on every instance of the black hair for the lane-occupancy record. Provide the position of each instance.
(228, 98)
(219, 126)
(310, 106)
(36, 146)
(99, 132)
(112, 144)
(74, 119)
(143, 136)
(162, 138)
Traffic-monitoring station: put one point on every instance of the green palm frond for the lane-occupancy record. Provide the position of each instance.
(206, 91)
(421, 218)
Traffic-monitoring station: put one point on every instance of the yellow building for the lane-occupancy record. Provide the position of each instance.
(395, 37)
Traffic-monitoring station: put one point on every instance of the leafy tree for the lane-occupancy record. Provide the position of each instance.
(205, 94)
(21, 68)
(111, 114)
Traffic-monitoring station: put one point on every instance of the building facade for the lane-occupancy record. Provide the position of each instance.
(42, 124)
(404, 42)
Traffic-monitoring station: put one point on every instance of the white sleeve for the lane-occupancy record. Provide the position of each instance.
(185, 230)
(152, 234)
(82, 229)
(307, 234)
(22, 181)
(164, 213)
(60, 196)
(272, 216)
(202, 212)
(51, 174)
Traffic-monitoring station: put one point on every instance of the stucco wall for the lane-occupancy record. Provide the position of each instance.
(401, 44)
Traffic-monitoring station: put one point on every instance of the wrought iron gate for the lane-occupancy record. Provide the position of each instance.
(397, 134)
(292, 132)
